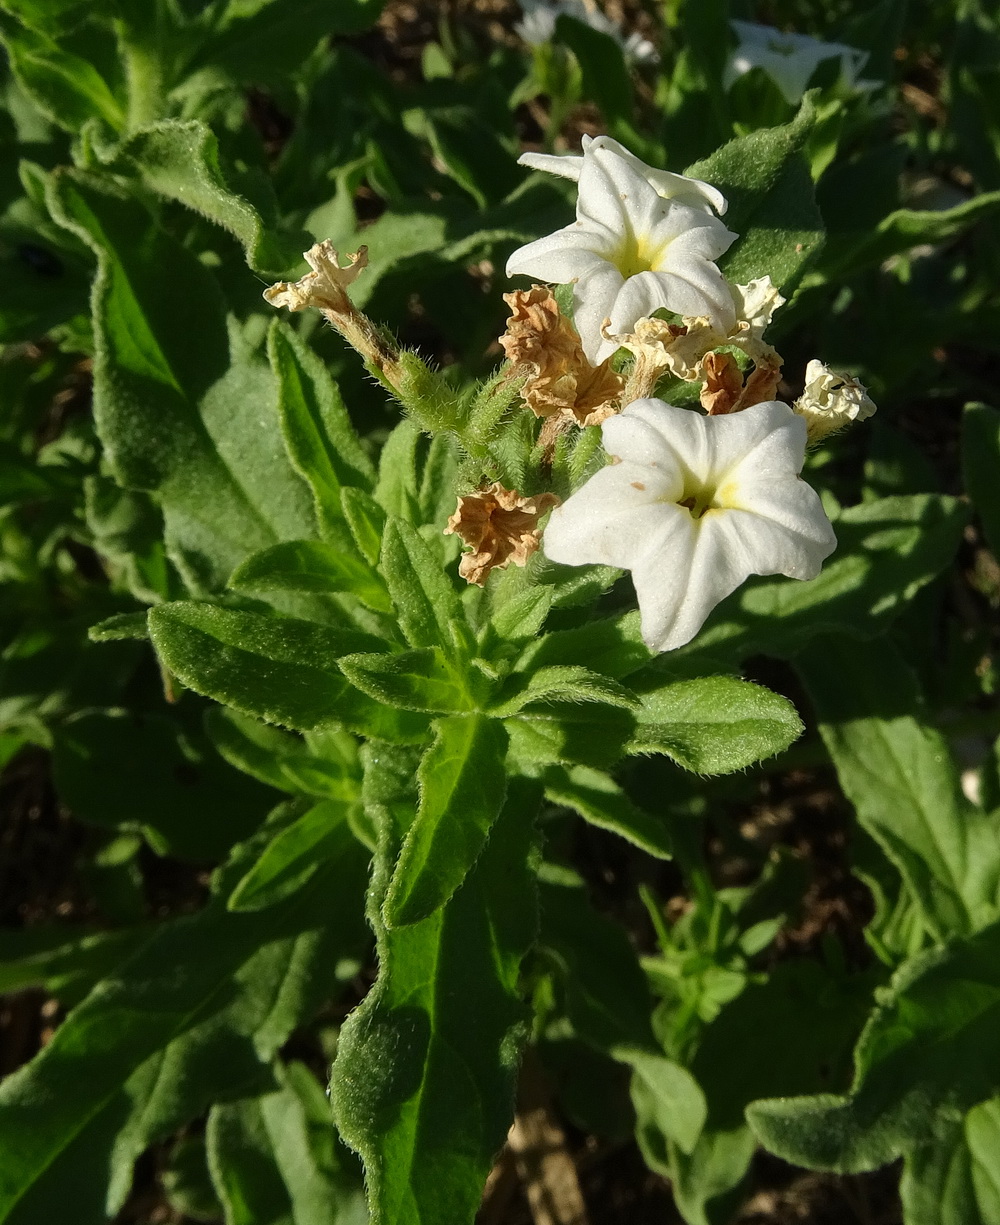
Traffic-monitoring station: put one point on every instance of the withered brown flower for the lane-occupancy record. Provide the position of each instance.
(500, 526)
(561, 380)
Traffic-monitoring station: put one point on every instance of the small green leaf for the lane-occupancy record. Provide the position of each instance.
(424, 598)
(715, 724)
(366, 520)
(561, 683)
(295, 855)
(613, 646)
(118, 627)
(311, 565)
(591, 734)
(411, 680)
(462, 787)
(65, 87)
(955, 1178)
(322, 443)
(599, 800)
(667, 1097)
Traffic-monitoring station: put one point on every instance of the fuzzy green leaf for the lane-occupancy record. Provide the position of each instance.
(955, 1179)
(424, 1077)
(931, 1050)
(424, 598)
(311, 565)
(411, 680)
(715, 724)
(599, 800)
(462, 787)
(561, 683)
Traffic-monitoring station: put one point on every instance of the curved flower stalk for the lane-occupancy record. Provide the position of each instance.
(538, 26)
(693, 506)
(632, 251)
(790, 59)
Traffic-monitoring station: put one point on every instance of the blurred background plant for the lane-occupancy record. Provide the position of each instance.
(165, 160)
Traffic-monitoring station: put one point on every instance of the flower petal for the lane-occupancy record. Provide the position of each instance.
(561, 257)
(566, 166)
(594, 298)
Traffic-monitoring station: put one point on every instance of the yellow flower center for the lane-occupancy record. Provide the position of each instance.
(638, 254)
(700, 497)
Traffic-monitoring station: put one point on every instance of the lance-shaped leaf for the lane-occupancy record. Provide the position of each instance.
(199, 1010)
(714, 725)
(276, 1157)
(412, 680)
(462, 786)
(322, 443)
(182, 408)
(613, 646)
(278, 669)
(312, 565)
(366, 520)
(598, 799)
(899, 775)
(930, 1051)
(425, 600)
(562, 683)
(765, 177)
(424, 1077)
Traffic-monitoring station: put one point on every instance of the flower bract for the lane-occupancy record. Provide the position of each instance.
(631, 251)
(693, 506)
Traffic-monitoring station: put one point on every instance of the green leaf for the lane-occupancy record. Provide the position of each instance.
(561, 683)
(278, 669)
(411, 680)
(599, 800)
(898, 773)
(311, 565)
(130, 772)
(321, 441)
(198, 1011)
(182, 408)
(715, 724)
(930, 1051)
(667, 1097)
(423, 1082)
(955, 1179)
(980, 464)
(424, 598)
(462, 787)
(605, 74)
(765, 177)
(613, 646)
(274, 1158)
(120, 627)
(294, 856)
(887, 551)
(397, 490)
(901, 230)
(591, 734)
(66, 962)
(283, 760)
(65, 87)
(180, 161)
(366, 520)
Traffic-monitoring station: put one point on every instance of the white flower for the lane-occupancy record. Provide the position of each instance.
(790, 59)
(693, 506)
(630, 252)
(539, 26)
(830, 400)
(692, 192)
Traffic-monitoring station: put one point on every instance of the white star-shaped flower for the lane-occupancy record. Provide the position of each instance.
(693, 506)
(790, 59)
(538, 26)
(632, 250)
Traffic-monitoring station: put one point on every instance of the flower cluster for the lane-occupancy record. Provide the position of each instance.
(692, 502)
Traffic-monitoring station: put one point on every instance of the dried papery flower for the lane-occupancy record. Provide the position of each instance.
(499, 526)
(723, 384)
(831, 400)
(563, 382)
(325, 289)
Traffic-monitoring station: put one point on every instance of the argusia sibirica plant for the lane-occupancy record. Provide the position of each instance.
(691, 501)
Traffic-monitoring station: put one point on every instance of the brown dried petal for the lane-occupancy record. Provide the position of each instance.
(723, 383)
(500, 527)
(561, 381)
